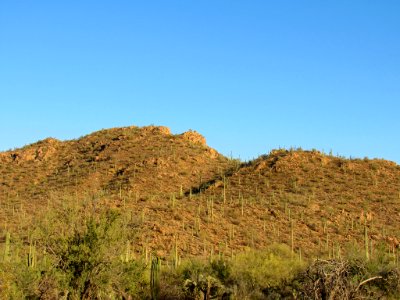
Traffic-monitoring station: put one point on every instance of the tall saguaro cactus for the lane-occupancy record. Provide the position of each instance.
(32, 255)
(155, 278)
(7, 247)
(366, 241)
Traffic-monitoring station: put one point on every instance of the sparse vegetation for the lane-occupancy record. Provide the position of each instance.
(140, 213)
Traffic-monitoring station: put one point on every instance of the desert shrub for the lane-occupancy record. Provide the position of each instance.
(222, 270)
(195, 279)
(343, 279)
(89, 259)
(255, 271)
(171, 284)
(79, 255)
(249, 275)
(17, 281)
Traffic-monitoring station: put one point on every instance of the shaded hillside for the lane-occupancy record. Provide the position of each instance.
(184, 197)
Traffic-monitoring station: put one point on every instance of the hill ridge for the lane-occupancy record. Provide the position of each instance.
(175, 185)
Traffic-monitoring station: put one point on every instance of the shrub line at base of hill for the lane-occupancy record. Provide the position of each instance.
(83, 254)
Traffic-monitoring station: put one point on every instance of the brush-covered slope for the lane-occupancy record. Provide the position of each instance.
(182, 194)
(324, 201)
(144, 162)
(317, 204)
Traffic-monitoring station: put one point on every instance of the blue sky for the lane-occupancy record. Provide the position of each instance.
(249, 75)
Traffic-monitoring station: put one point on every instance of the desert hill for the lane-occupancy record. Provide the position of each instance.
(314, 201)
(184, 195)
(145, 162)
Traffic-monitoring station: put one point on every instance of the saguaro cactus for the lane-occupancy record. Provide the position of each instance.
(366, 241)
(7, 247)
(155, 278)
(176, 256)
(32, 255)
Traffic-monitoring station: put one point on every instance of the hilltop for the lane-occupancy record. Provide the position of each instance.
(146, 162)
(183, 194)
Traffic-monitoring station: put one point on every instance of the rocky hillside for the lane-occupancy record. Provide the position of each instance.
(325, 202)
(183, 194)
(148, 161)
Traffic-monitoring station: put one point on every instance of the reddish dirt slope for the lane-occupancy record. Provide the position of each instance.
(182, 193)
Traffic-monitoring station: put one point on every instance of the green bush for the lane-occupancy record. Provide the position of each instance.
(254, 271)
(90, 261)
(83, 253)
(84, 260)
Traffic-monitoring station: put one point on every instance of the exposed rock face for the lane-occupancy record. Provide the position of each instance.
(212, 153)
(194, 137)
(157, 129)
(39, 151)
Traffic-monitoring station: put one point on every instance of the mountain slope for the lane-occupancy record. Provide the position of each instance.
(142, 162)
(183, 195)
(326, 199)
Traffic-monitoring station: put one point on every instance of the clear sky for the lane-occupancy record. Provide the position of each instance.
(249, 75)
